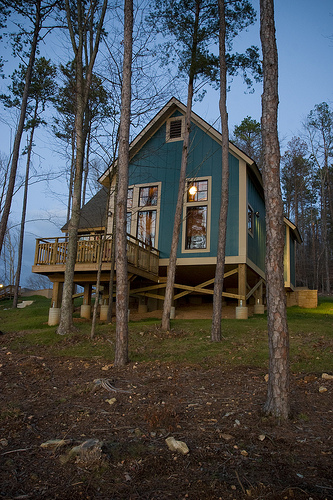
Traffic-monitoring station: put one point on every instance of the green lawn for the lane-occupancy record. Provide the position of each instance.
(244, 342)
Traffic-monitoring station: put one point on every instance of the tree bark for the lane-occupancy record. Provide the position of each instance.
(121, 351)
(277, 403)
(165, 324)
(220, 260)
(20, 127)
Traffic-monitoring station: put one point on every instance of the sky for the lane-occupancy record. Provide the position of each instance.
(304, 33)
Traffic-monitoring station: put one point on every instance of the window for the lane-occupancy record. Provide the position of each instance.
(143, 205)
(196, 228)
(197, 191)
(196, 224)
(148, 196)
(128, 222)
(146, 227)
(175, 129)
(130, 198)
(250, 220)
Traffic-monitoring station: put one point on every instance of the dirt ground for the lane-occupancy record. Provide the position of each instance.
(234, 452)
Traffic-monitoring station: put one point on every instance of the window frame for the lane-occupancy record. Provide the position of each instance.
(200, 203)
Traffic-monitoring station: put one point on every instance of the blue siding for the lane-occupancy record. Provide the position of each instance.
(257, 243)
(159, 161)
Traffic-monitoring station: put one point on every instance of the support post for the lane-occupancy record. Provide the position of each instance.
(242, 310)
(259, 307)
(54, 311)
(85, 311)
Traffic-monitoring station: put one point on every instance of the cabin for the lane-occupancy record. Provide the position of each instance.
(155, 158)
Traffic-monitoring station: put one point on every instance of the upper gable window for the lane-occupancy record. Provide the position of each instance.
(175, 129)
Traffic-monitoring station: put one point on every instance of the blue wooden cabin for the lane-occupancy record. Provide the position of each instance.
(155, 158)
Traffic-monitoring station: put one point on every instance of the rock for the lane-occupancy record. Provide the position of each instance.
(55, 443)
(178, 446)
(326, 376)
(24, 304)
(227, 437)
(88, 452)
(322, 389)
(111, 401)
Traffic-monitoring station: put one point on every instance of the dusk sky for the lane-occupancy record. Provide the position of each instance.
(304, 31)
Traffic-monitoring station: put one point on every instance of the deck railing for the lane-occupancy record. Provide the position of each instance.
(53, 251)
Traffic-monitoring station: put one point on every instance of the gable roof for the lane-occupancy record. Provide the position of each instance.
(93, 213)
(166, 112)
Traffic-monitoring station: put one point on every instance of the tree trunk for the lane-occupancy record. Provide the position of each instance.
(219, 272)
(277, 402)
(24, 211)
(121, 351)
(98, 282)
(165, 324)
(113, 259)
(20, 127)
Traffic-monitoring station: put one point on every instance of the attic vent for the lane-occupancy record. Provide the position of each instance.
(175, 129)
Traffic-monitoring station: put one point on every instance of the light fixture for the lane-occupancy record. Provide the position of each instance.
(256, 214)
(193, 189)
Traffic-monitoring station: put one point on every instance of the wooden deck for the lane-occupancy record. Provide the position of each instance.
(51, 255)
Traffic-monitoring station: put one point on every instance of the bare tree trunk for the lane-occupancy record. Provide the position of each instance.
(121, 351)
(220, 260)
(113, 259)
(24, 211)
(71, 179)
(82, 93)
(165, 324)
(19, 132)
(98, 282)
(277, 402)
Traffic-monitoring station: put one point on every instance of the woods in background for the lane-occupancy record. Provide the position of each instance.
(307, 188)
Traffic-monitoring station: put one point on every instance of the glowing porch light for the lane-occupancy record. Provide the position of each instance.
(193, 189)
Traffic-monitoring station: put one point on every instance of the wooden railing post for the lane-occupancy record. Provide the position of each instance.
(37, 251)
(54, 250)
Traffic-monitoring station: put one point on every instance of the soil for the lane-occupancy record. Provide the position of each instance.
(234, 451)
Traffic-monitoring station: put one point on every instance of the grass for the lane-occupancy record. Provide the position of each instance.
(244, 342)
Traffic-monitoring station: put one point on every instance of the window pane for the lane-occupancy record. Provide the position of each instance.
(148, 196)
(250, 219)
(128, 222)
(196, 228)
(130, 198)
(146, 227)
(200, 191)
